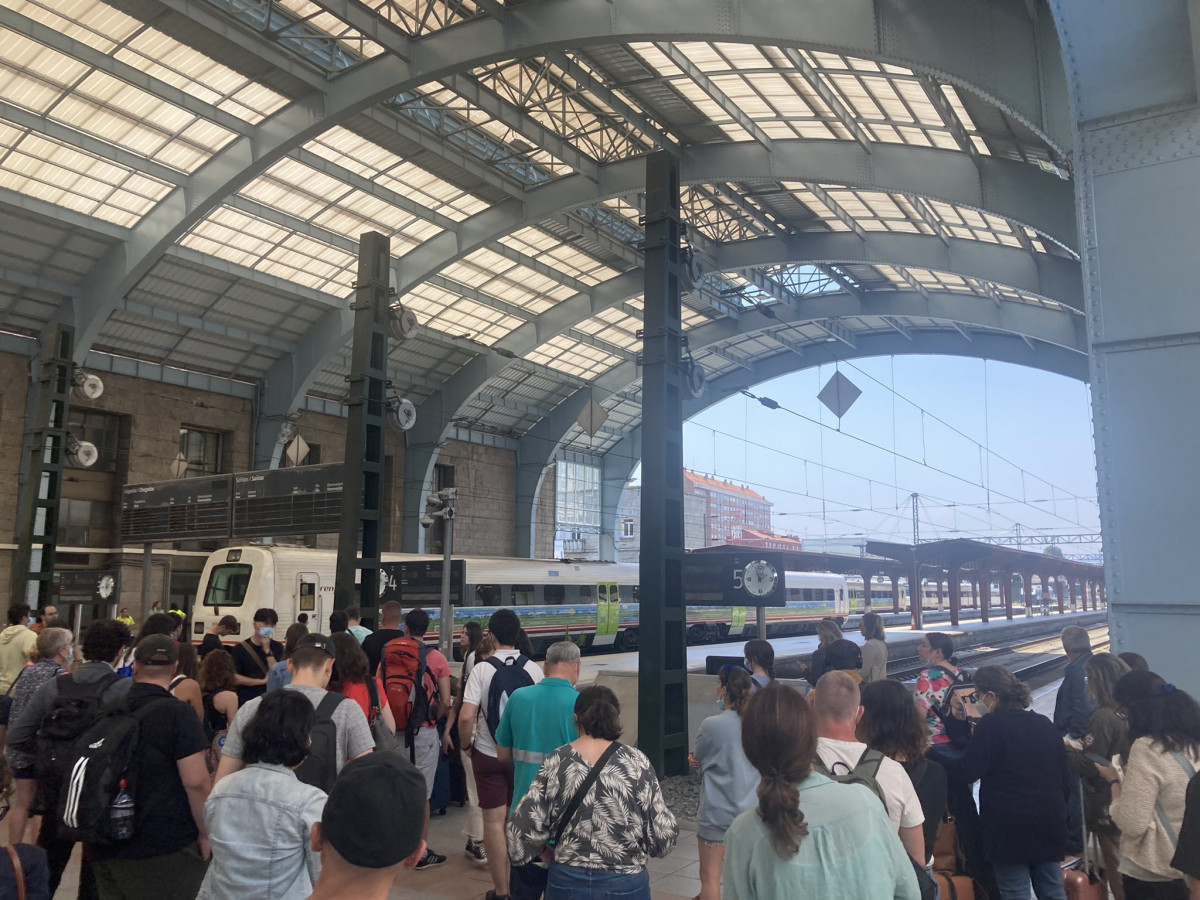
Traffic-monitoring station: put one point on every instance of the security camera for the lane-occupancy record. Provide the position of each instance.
(426, 521)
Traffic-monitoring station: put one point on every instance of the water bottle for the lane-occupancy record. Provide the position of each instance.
(121, 813)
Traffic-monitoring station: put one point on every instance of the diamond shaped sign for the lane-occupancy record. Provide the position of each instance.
(839, 394)
(591, 418)
(297, 451)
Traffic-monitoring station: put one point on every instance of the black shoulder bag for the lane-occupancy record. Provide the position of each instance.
(577, 800)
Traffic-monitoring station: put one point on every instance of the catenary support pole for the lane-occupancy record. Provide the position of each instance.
(363, 476)
(662, 676)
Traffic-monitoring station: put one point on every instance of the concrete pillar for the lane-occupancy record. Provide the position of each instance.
(1058, 589)
(985, 594)
(1006, 592)
(941, 598)
(895, 593)
(955, 591)
(916, 608)
(1071, 588)
(1027, 588)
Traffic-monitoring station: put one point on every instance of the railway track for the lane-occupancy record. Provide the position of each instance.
(1013, 655)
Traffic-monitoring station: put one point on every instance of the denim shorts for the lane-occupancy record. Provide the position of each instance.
(575, 883)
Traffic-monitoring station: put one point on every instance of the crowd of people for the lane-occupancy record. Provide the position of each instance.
(259, 769)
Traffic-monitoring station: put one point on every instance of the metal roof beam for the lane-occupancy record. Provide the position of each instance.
(527, 409)
(842, 281)
(961, 329)
(718, 96)
(659, 137)
(836, 330)
(765, 221)
(908, 279)
(837, 209)
(933, 90)
(894, 324)
(730, 357)
(199, 323)
(818, 84)
(477, 296)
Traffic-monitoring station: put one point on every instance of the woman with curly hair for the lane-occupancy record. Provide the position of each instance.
(892, 725)
(809, 836)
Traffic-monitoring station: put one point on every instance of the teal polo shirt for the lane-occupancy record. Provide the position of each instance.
(537, 721)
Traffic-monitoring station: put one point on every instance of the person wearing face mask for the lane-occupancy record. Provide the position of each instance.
(55, 651)
(1024, 785)
(728, 783)
(254, 657)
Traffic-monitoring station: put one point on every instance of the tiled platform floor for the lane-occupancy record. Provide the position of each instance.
(677, 877)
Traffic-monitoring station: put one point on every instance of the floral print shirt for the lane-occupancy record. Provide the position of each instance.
(933, 690)
(621, 822)
(32, 677)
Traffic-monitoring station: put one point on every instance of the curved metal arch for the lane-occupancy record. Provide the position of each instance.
(804, 248)
(997, 50)
(996, 347)
(1046, 325)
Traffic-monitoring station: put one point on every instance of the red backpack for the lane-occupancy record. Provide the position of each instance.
(403, 668)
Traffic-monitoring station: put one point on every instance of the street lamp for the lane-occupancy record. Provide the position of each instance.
(440, 505)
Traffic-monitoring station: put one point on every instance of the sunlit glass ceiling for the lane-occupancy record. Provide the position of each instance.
(152, 97)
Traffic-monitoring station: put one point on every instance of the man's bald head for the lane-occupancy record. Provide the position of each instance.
(838, 698)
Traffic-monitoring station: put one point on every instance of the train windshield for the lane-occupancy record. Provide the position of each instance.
(227, 585)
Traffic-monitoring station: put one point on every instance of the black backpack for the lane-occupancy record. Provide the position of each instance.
(105, 755)
(320, 767)
(510, 675)
(76, 709)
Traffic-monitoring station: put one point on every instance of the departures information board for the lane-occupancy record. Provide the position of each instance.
(277, 502)
(247, 505)
(188, 509)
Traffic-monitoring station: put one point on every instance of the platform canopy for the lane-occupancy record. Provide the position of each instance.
(186, 180)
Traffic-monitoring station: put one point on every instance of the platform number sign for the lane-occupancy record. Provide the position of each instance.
(737, 578)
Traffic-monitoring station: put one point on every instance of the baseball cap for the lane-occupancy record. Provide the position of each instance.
(319, 641)
(375, 814)
(156, 650)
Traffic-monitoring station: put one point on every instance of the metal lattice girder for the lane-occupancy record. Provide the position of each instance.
(1045, 325)
(1055, 277)
(942, 37)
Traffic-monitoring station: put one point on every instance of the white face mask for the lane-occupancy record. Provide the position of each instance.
(984, 709)
(266, 631)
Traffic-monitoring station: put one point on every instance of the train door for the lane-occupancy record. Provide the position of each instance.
(308, 590)
(608, 614)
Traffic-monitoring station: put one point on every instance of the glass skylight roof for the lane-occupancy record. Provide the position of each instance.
(432, 157)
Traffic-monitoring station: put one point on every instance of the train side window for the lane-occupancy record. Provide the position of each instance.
(554, 594)
(635, 593)
(522, 595)
(227, 585)
(585, 593)
(487, 595)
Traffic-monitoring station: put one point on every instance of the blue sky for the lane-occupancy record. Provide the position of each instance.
(1029, 420)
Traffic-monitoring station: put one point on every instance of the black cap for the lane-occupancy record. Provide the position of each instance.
(312, 639)
(156, 650)
(375, 814)
(843, 654)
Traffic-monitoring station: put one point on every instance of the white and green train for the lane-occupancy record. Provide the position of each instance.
(594, 603)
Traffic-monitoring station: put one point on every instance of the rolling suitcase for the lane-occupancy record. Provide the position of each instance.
(1083, 881)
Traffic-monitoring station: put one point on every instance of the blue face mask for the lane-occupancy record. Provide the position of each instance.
(71, 654)
(720, 703)
(266, 631)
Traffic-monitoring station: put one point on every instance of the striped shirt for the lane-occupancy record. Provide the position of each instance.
(537, 720)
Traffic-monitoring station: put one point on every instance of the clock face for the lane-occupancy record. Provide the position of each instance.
(105, 587)
(760, 578)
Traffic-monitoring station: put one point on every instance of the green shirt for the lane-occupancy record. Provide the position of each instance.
(537, 720)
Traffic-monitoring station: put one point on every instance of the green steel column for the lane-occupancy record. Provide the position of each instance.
(366, 428)
(662, 675)
(41, 489)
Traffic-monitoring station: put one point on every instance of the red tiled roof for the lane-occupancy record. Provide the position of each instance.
(709, 483)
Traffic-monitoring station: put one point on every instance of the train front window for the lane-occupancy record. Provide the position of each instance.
(554, 594)
(227, 585)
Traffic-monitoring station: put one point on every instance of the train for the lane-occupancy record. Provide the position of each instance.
(592, 603)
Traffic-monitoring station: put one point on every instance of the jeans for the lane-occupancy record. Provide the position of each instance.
(1014, 880)
(574, 883)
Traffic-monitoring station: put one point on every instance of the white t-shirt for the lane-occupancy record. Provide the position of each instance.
(903, 806)
(476, 693)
